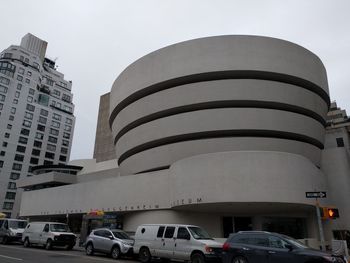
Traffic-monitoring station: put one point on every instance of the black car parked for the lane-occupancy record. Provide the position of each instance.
(266, 247)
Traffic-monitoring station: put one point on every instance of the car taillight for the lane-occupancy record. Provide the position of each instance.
(226, 246)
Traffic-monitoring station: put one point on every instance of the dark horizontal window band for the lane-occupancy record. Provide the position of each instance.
(219, 75)
(160, 168)
(219, 134)
(219, 105)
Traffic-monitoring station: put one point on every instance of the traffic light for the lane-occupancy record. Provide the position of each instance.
(329, 212)
(333, 213)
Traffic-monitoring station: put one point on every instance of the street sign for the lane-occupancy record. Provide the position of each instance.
(316, 194)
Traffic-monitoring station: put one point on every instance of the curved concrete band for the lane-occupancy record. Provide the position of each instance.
(223, 88)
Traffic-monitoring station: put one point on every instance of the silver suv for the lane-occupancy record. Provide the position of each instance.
(114, 242)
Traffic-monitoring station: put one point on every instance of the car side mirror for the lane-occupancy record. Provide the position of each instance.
(111, 237)
(289, 247)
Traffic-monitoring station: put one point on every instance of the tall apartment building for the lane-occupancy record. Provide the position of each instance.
(36, 116)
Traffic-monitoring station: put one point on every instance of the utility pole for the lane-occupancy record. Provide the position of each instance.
(320, 227)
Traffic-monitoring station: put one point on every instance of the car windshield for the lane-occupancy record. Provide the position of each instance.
(121, 235)
(199, 233)
(59, 228)
(294, 242)
(17, 224)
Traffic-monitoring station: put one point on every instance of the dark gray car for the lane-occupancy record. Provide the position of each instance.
(266, 247)
(114, 242)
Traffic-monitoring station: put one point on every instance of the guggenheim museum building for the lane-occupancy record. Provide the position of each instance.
(225, 132)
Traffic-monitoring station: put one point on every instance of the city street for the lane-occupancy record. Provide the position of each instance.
(17, 253)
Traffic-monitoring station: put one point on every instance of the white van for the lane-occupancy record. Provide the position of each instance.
(48, 234)
(179, 242)
(11, 230)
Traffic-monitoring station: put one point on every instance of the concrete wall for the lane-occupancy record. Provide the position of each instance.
(223, 88)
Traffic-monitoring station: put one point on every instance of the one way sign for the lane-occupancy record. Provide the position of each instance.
(316, 194)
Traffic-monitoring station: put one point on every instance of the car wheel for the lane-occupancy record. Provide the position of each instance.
(48, 245)
(145, 255)
(197, 258)
(89, 249)
(5, 240)
(115, 252)
(69, 247)
(239, 260)
(26, 242)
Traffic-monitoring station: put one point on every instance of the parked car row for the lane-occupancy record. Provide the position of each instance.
(169, 242)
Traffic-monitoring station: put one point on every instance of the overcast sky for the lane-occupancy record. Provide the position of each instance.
(94, 40)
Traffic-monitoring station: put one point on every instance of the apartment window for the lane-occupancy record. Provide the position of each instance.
(7, 206)
(52, 139)
(44, 112)
(64, 150)
(16, 166)
(27, 81)
(65, 97)
(10, 195)
(15, 101)
(25, 131)
(46, 162)
(2, 153)
(19, 86)
(17, 94)
(37, 144)
(1, 164)
(65, 142)
(28, 115)
(7, 135)
(69, 121)
(22, 140)
(49, 155)
(14, 176)
(35, 65)
(11, 118)
(51, 147)
(54, 131)
(30, 169)
(43, 99)
(1, 106)
(26, 60)
(13, 110)
(67, 128)
(340, 142)
(21, 71)
(31, 91)
(30, 99)
(21, 58)
(19, 157)
(3, 89)
(4, 81)
(29, 73)
(27, 123)
(19, 78)
(63, 158)
(39, 136)
(30, 107)
(11, 185)
(42, 120)
(56, 116)
(40, 128)
(66, 135)
(34, 160)
(35, 152)
(55, 124)
(56, 93)
(21, 149)
(9, 126)
(2, 97)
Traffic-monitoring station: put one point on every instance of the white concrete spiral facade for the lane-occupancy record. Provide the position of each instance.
(225, 93)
